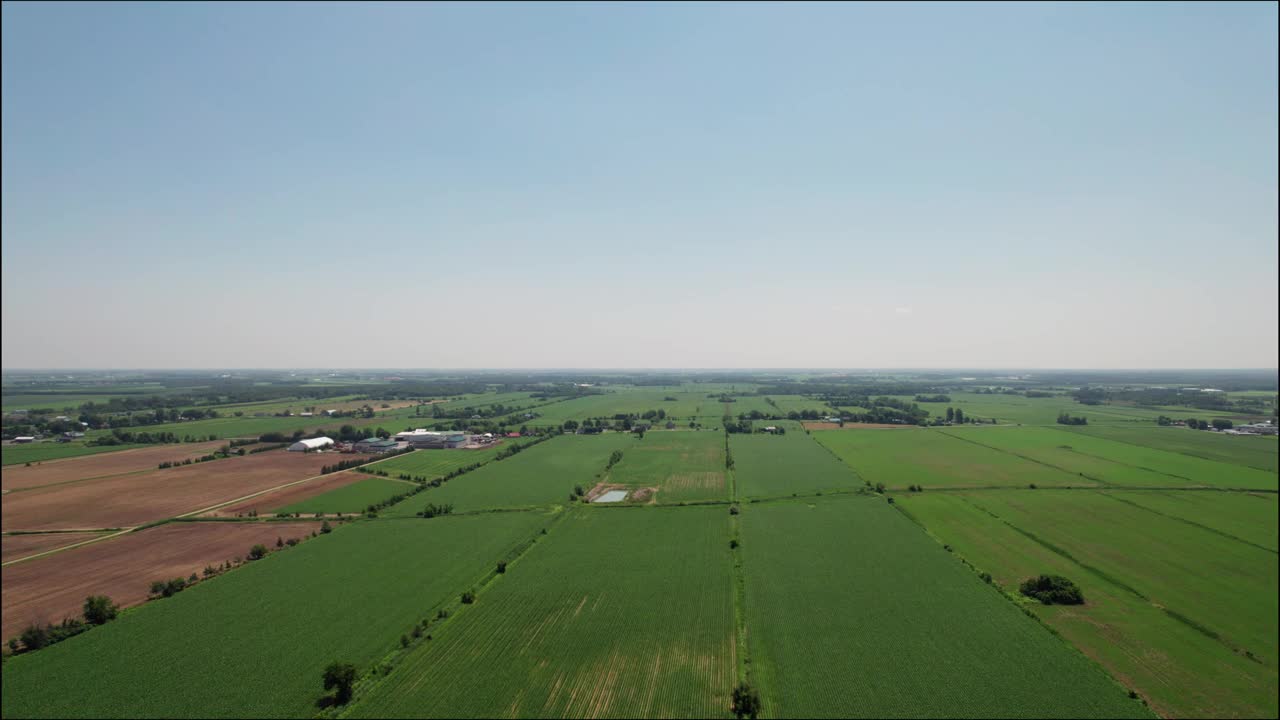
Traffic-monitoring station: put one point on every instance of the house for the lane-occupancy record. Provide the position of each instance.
(310, 444)
(376, 445)
(24, 439)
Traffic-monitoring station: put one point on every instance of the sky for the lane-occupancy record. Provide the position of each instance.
(639, 185)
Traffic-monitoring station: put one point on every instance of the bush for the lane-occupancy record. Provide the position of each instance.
(325, 528)
(733, 544)
(986, 577)
(1052, 590)
(746, 701)
(257, 552)
(502, 567)
(340, 676)
(98, 609)
(468, 597)
(34, 638)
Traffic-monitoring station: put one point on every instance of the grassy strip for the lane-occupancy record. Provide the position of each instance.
(1193, 523)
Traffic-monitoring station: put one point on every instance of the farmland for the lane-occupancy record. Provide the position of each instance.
(50, 588)
(620, 613)
(931, 458)
(133, 499)
(901, 630)
(1112, 551)
(678, 465)
(544, 474)
(42, 451)
(352, 497)
(642, 608)
(265, 615)
(772, 465)
(116, 463)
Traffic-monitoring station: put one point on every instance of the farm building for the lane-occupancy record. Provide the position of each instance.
(376, 445)
(24, 439)
(428, 439)
(310, 444)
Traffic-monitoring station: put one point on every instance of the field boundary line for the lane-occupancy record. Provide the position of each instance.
(1100, 481)
(1193, 523)
(66, 547)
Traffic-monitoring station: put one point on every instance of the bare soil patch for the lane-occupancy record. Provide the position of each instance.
(13, 547)
(132, 500)
(54, 587)
(644, 495)
(101, 465)
(267, 502)
(695, 481)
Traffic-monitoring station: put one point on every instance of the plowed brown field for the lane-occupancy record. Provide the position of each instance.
(292, 494)
(50, 472)
(13, 547)
(54, 587)
(131, 500)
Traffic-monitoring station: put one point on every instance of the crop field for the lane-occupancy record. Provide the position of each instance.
(61, 402)
(933, 459)
(544, 474)
(685, 406)
(13, 547)
(1255, 452)
(1023, 410)
(41, 451)
(432, 464)
(1250, 517)
(266, 630)
(623, 612)
(894, 626)
(129, 500)
(139, 459)
(1114, 463)
(797, 403)
(681, 466)
(774, 465)
(1176, 666)
(50, 588)
(352, 497)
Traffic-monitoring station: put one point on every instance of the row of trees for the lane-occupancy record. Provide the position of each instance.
(97, 610)
(1064, 418)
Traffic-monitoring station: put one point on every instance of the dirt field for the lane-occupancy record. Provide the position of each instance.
(13, 547)
(292, 494)
(131, 500)
(50, 588)
(854, 426)
(109, 463)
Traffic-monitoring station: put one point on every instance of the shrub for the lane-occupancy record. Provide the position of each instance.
(34, 637)
(1052, 590)
(404, 641)
(733, 544)
(340, 676)
(257, 552)
(746, 701)
(325, 528)
(468, 597)
(99, 609)
(502, 567)
(986, 577)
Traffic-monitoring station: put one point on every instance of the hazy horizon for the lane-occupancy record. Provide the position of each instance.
(492, 186)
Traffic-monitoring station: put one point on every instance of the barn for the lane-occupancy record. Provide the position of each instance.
(310, 444)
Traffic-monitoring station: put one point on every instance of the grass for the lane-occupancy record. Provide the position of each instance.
(682, 465)
(1181, 671)
(773, 465)
(622, 612)
(1255, 452)
(254, 642)
(350, 498)
(1250, 517)
(852, 611)
(934, 459)
(431, 464)
(41, 451)
(1114, 463)
(1044, 411)
(686, 406)
(544, 474)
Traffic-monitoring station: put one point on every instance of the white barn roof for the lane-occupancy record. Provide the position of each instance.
(311, 444)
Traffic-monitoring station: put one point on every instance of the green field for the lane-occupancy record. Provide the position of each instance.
(1023, 410)
(890, 625)
(1114, 463)
(933, 459)
(686, 406)
(254, 643)
(773, 465)
(1131, 563)
(1250, 517)
(544, 474)
(621, 612)
(351, 498)
(1255, 452)
(431, 464)
(682, 465)
(797, 403)
(41, 451)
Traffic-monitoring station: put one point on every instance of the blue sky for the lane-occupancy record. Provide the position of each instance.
(667, 185)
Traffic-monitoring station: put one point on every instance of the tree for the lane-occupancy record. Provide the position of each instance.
(746, 701)
(959, 415)
(951, 414)
(1052, 590)
(257, 552)
(99, 609)
(324, 527)
(34, 637)
(1222, 423)
(340, 677)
